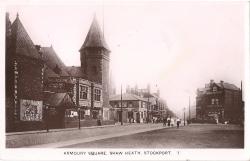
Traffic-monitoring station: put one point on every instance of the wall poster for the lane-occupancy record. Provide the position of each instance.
(30, 110)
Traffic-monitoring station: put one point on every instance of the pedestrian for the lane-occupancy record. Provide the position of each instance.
(168, 120)
(178, 122)
(164, 121)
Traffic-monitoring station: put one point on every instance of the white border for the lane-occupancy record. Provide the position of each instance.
(58, 154)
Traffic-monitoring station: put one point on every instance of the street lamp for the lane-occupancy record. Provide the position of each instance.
(148, 109)
(121, 106)
(47, 117)
(79, 118)
(184, 116)
(189, 115)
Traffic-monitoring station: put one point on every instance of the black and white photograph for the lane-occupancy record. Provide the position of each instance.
(109, 80)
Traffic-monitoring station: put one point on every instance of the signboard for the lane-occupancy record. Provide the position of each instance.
(30, 110)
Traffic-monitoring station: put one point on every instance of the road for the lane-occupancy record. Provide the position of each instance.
(191, 136)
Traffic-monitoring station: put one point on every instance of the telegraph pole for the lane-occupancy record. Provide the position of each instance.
(121, 105)
(189, 115)
(148, 109)
(184, 116)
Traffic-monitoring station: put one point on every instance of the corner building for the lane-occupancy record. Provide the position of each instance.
(219, 102)
(41, 91)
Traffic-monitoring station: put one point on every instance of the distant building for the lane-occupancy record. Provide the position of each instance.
(219, 101)
(140, 105)
(134, 108)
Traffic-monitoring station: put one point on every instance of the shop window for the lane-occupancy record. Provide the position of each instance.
(83, 92)
(87, 112)
(82, 114)
(212, 101)
(217, 101)
(97, 94)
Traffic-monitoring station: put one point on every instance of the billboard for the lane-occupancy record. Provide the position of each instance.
(30, 110)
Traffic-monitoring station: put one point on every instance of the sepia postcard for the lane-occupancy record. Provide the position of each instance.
(125, 80)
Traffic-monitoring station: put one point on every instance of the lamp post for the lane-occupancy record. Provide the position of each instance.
(79, 118)
(184, 116)
(188, 92)
(47, 117)
(148, 109)
(121, 106)
(189, 114)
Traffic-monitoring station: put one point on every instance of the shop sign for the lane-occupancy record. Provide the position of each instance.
(30, 110)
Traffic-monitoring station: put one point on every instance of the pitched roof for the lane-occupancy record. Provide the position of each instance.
(76, 72)
(127, 97)
(22, 43)
(227, 86)
(52, 60)
(48, 72)
(94, 37)
(58, 99)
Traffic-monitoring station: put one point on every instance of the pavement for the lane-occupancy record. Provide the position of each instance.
(65, 137)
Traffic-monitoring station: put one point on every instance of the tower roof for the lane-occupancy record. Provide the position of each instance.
(95, 37)
(22, 43)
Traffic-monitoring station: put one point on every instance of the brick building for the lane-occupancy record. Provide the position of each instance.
(24, 79)
(134, 108)
(140, 105)
(43, 85)
(219, 101)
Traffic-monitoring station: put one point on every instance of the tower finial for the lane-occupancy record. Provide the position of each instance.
(17, 15)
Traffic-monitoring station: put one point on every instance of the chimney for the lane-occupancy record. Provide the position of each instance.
(38, 47)
(221, 82)
(211, 81)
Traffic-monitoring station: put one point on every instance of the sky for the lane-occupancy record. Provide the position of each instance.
(175, 46)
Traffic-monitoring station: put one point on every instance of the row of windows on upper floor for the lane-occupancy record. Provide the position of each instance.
(130, 105)
(83, 91)
(215, 101)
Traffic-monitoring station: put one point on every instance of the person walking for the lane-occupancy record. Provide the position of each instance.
(178, 122)
(164, 121)
(168, 120)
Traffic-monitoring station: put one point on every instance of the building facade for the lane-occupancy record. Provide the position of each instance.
(41, 90)
(134, 108)
(24, 79)
(139, 105)
(219, 102)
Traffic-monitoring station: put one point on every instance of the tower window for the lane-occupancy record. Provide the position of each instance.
(83, 92)
(97, 95)
(212, 101)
